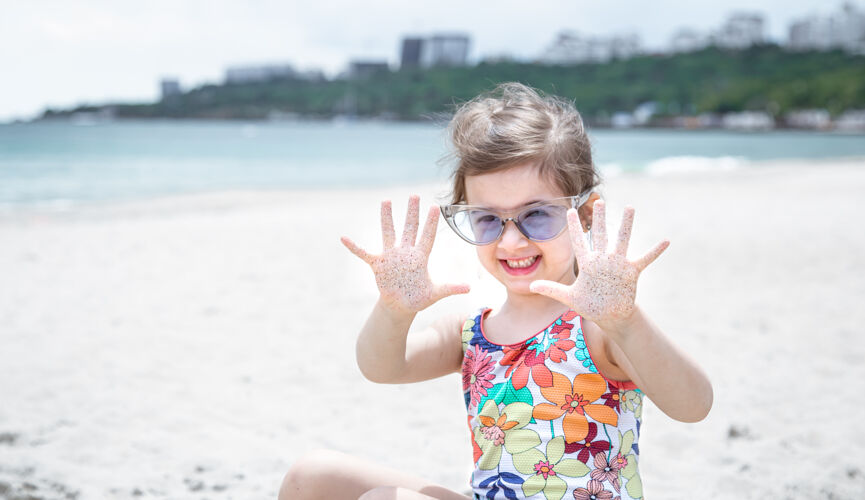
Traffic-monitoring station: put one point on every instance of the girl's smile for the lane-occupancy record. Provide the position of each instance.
(521, 266)
(513, 259)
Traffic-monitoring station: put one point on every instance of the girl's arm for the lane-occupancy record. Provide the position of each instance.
(604, 293)
(639, 351)
(387, 354)
(383, 352)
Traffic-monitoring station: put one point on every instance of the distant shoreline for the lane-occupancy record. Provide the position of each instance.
(341, 120)
(760, 87)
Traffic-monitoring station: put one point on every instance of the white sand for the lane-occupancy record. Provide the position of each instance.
(194, 347)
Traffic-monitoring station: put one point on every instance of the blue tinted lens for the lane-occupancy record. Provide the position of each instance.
(477, 226)
(542, 223)
(486, 226)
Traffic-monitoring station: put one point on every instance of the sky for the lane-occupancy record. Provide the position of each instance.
(62, 54)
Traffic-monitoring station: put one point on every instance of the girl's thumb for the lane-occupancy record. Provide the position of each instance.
(443, 291)
(551, 289)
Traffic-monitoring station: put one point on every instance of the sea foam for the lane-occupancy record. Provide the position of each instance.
(694, 164)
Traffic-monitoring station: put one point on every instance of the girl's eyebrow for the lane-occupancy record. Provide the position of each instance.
(526, 204)
(531, 202)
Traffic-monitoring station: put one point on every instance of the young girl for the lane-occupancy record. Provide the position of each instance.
(554, 377)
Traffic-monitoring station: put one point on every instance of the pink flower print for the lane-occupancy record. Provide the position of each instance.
(606, 471)
(545, 469)
(595, 491)
(494, 434)
(494, 430)
(477, 373)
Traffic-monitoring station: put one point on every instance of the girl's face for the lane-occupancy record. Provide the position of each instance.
(513, 259)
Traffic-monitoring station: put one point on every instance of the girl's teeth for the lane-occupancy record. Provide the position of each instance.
(522, 262)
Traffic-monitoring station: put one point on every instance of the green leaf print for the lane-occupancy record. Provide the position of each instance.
(626, 442)
(635, 487)
(633, 484)
(630, 470)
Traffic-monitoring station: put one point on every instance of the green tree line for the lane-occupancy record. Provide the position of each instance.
(765, 78)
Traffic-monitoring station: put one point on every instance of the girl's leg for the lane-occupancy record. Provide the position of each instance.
(330, 475)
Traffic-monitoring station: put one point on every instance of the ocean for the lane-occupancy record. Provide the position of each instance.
(59, 164)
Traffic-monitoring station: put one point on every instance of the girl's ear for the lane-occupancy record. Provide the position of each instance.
(587, 210)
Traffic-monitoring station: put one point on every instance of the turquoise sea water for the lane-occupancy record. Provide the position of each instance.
(65, 163)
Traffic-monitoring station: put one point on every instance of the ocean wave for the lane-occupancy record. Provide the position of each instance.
(694, 164)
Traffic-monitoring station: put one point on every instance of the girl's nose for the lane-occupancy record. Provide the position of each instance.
(512, 237)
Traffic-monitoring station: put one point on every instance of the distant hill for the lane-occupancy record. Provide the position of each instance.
(764, 78)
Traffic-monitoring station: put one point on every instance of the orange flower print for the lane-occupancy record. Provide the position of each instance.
(529, 358)
(575, 400)
(523, 362)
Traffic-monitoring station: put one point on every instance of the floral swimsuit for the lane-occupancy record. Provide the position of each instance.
(544, 423)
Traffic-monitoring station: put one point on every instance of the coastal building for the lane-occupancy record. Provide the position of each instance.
(644, 112)
(410, 53)
(843, 30)
(358, 70)
(573, 48)
(740, 31)
(852, 120)
(445, 50)
(748, 120)
(441, 49)
(811, 119)
(169, 87)
(622, 119)
(259, 73)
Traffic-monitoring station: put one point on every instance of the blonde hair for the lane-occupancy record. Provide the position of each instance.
(514, 124)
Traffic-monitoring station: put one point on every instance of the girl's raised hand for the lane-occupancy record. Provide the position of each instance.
(606, 284)
(401, 271)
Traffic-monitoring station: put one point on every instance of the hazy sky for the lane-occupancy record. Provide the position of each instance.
(55, 53)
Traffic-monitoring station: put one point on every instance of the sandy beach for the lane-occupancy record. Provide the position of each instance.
(195, 346)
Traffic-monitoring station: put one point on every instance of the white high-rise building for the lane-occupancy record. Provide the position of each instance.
(573, 48)
(740, 31)
(844, 30)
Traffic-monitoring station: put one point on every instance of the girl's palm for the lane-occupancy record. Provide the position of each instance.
(606, 284)
(401, 271)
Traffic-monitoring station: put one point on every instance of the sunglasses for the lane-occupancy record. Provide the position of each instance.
(540, 221)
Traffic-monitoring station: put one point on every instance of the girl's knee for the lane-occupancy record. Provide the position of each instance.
(305, 477)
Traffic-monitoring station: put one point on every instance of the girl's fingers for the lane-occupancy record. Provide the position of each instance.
(650, 257)
(625, 232)
(360, 252)
(575, 229)
(553, 290)
(428, 235)
(442, 291)
(388, 235)
(599, 228)
(409, 234)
